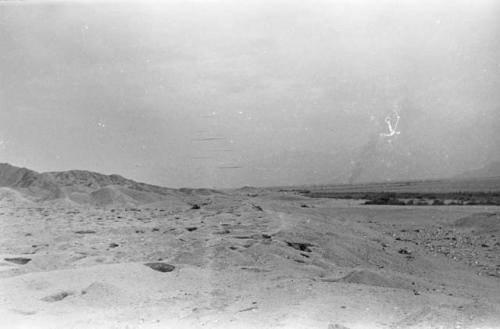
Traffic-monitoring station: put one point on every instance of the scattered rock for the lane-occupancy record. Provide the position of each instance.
(255, 269)
(18, 260)
(337, 326)
(248, 309)
(404, 251)
(195, 206)
(302, 246)
(243, 237)
(57, 297)
(161, 267)
(258, 208)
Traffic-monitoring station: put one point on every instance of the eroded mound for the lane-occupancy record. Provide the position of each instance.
(99, 293)
(484, 222)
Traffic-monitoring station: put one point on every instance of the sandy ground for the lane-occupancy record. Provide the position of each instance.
(249, 260)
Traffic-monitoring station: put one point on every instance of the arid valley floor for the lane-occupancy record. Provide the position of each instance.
(247, 258)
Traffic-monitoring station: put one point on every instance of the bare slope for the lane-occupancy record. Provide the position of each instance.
(83, 187)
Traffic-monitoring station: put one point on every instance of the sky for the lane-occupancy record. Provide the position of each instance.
(231, 93)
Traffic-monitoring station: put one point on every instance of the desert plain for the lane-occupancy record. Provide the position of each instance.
(100, 256)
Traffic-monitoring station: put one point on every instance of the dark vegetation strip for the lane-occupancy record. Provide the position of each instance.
(412, 198)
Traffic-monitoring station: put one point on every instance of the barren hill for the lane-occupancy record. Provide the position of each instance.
(85, 187)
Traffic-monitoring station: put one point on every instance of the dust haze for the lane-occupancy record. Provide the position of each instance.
(126, 87)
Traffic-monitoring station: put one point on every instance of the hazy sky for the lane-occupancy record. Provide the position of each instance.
(212, 93)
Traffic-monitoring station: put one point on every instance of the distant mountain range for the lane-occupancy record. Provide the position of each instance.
(84, 187)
